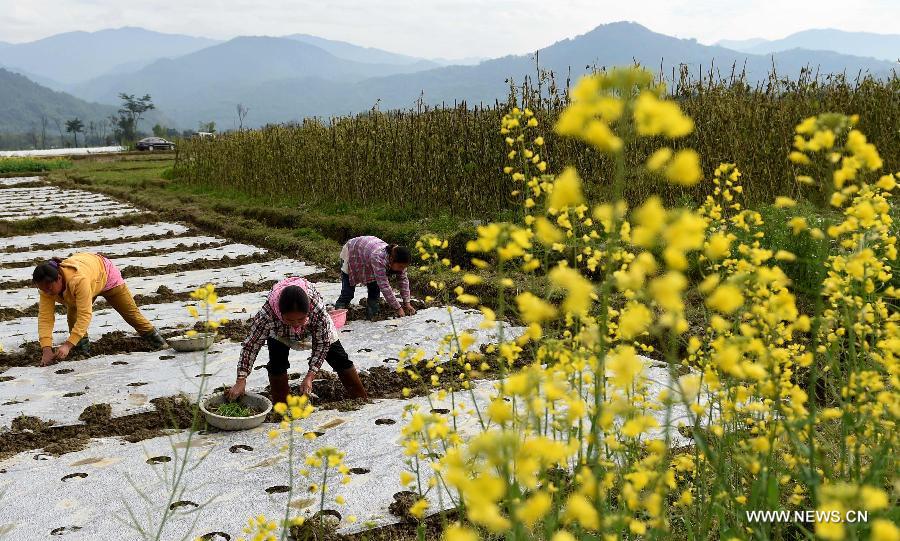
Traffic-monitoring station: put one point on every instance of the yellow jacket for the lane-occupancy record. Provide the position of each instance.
(85, 276)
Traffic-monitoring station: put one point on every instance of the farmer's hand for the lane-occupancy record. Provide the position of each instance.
(410, 311)
(306, 384)
(63, 351)
(237, 390)
(400, 312)
(47, 356)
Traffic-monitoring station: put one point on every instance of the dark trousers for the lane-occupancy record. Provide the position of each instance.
(279, 351)
(348, 290)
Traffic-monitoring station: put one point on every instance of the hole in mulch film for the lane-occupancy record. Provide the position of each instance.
(63, 530)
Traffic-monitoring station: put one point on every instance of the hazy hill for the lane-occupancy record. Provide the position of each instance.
(608, 45)
(24, 101)
(223, 69)
(881, 46)
(74, 57)
(356, 53)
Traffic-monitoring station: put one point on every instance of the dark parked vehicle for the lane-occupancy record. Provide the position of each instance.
(154, 143)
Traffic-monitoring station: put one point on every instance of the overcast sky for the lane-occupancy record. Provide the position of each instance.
(446, 28)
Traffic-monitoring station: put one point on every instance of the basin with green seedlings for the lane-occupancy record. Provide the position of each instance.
(249, 411)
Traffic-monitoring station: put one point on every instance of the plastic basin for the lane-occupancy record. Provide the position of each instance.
(339, 317)
(252, 400)
(192, 343)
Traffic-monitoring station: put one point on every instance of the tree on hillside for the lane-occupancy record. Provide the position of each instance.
(44, 123)
(131, 112)
(62, 139)
(208, 127)
(75, 126)
(159, 130)
(242, 111)
(102, 126)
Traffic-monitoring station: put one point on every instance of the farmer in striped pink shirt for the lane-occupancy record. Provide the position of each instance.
(371, 261)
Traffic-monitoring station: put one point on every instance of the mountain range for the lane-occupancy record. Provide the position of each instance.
(880, 46)
(287, 78)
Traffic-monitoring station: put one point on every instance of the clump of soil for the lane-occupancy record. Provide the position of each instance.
(350, 404)
(233, 330)
(29, 434)
(27, 422)
(163, 290)
(96, 413)
(403, 500)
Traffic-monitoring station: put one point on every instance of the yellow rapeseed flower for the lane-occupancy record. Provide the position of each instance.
(726, 298)
(457, 532)
(684, 169)
(579, 289)
(533, 309)
(884, 530)
(566, 190)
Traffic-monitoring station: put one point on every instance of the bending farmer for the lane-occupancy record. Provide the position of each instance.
(76, 282)
(294, 310)
(370, 261)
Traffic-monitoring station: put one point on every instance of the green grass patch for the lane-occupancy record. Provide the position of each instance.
(32, 165)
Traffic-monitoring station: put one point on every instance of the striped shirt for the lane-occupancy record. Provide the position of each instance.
(265, 324)
(368, 261)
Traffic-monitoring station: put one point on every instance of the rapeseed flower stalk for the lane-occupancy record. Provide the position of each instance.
(176, 476)
(292, 412)
(207, 304)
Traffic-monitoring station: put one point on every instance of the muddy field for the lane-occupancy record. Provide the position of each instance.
(79, 439)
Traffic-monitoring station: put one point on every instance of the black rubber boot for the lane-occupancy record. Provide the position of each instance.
(373, 308)
(83, 347)
(155, 339)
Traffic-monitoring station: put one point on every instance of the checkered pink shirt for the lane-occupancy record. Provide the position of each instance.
(368, 262)
(265, 323)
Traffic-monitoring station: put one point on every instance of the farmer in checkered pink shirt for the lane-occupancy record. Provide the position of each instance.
(371, 261)
(293, 312)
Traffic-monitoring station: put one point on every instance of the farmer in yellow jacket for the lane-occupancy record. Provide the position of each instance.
(75, 282)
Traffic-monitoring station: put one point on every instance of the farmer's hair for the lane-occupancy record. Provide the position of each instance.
(399, 254)
(46, 272)
(293, 299)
